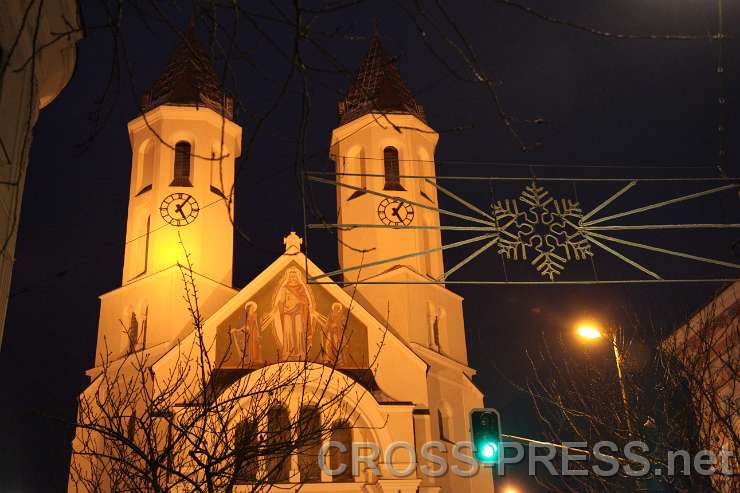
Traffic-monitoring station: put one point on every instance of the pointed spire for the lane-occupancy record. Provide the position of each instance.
(189, 79)
(378, 86)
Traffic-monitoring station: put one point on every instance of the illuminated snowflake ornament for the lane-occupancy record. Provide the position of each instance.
(542, 228)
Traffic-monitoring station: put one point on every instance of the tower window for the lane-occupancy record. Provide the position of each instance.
(392, 170)
(182, 165)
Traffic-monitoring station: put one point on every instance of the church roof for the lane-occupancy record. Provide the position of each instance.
(378, 87)
(189, 79)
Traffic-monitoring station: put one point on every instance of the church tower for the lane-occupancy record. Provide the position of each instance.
(382, 139)
(181, 200)
(182, 170)
(384, 150)
(384, 155)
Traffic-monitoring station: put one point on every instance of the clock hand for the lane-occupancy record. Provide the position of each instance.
(178, 208)
(395, 211)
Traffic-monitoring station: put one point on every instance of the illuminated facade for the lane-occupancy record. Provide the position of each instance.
(405, 342)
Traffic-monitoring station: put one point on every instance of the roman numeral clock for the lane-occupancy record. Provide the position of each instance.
(179, 209)
(395, 212)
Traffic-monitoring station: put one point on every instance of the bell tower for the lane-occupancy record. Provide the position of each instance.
(182, 171)
(180, 201)
(390, 250)
(383, 138)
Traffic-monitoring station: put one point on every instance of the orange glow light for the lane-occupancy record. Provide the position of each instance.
(588, 331)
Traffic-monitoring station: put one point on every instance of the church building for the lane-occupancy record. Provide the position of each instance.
(389, 356)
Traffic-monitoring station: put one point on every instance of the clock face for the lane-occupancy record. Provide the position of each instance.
(395, 212)
(179, 209)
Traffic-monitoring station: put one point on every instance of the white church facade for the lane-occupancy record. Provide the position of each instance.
(387, 360)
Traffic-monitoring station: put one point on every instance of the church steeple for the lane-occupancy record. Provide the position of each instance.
(383, 140)
(189, 79)
(378, 87)
(183, 170)
(180, 208)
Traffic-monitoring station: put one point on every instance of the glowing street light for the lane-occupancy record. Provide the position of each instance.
(510, 489)
(589, 332)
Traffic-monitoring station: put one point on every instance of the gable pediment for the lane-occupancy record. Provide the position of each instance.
(280, 317)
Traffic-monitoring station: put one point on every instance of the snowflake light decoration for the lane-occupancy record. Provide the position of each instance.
(542, 228)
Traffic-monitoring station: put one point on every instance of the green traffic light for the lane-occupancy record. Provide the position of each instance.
(489, 450)
(485, 430)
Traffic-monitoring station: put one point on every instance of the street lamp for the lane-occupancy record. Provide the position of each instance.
(588, 331)
(511, 489)
(591, 331)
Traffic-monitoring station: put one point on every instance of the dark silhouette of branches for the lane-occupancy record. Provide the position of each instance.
(176, 419)
(682, 396)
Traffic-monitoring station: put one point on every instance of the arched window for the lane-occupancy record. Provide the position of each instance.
(182, 165)
(392, 170)
(245, 447)
(278, 444)
(146, 168)
(341, 432)
(309, 443)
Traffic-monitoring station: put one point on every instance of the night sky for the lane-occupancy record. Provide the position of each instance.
(605, 101)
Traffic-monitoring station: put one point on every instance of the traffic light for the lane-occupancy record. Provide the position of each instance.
(485, 431)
